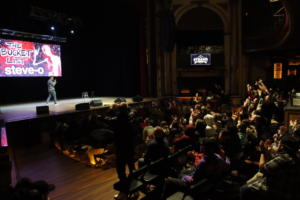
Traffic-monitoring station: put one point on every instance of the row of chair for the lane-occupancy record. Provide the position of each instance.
(150, 174)
(203, 189)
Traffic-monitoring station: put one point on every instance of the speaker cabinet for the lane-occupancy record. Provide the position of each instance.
(120, 100)
(82, 106)
(137, 98)
(42, 110)
(96, 102)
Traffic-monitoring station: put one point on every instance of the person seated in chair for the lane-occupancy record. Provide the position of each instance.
(210, 165)
(157, 148)
(279, 178)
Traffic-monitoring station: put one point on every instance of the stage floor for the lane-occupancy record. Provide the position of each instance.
(26, 111)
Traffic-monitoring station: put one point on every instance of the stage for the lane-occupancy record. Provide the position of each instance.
(27, 111)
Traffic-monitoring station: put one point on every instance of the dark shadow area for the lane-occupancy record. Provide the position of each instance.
(101, 56)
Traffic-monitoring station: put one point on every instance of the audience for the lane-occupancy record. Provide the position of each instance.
(243, 134)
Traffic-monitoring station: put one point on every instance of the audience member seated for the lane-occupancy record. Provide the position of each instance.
(165, 127)
(195, 114)
(230, 142)
(157, 148)
(175, 128)
(148, 130)
(197, 157)
(281, 132)
(296, 132)
(200, 126)
(278, 179)
(210, 130)
(197, 98)
(181, 140)
(210, 165)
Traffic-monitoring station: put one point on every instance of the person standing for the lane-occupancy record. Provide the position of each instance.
(124, 148)
(51, 90)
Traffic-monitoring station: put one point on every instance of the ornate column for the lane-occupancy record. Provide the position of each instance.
(238, 68)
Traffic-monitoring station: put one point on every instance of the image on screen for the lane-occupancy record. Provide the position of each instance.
(28, 59)
(201, 59)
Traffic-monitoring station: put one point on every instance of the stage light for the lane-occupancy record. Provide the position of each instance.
(20, 34)
(72, 31)
(52, 28)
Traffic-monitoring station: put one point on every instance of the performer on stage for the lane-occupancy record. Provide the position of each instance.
(51, 90)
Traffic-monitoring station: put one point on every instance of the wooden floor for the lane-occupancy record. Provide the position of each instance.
(73, 180)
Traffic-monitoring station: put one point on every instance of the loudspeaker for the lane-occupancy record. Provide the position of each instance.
(96, 102)
(137, 98)
(120, 100)
(82, 106)
(42, 110)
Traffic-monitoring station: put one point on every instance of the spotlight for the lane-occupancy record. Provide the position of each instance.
(72, 31)
(52, 28)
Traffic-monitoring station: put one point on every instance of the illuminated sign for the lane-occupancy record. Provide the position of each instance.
(201, 59)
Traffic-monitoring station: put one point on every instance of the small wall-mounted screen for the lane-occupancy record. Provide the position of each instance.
(201, 59)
